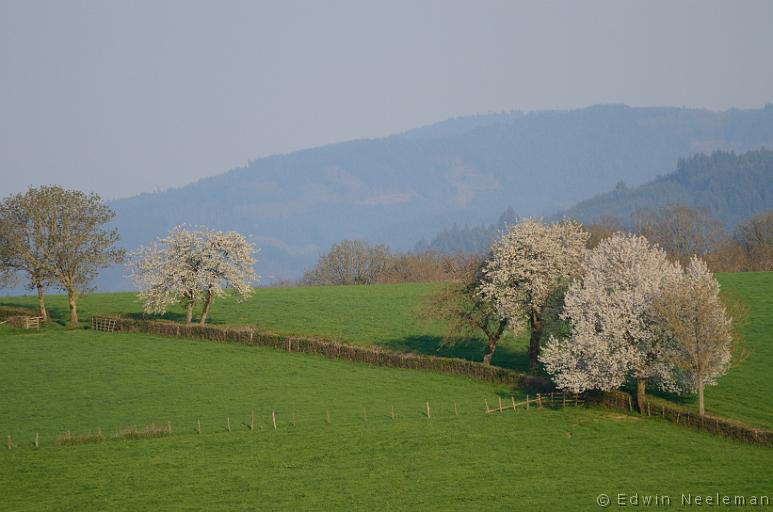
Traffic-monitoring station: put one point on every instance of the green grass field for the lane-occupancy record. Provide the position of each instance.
(378, 314)
(542, 460)
(384, 315)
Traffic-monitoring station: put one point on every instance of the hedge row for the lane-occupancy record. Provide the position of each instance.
(247, 335)
(712, 424)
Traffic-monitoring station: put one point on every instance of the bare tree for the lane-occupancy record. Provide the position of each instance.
(465, 311)
(694, 315)
(350, 262)
(527, 265)
(602, 228)
(682, 231)
(756, 238)
(80, 245)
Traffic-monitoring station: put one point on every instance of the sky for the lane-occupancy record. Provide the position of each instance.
(120, 98)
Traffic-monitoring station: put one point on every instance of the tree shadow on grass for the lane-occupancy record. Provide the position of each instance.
(169, 315)
(505, 356)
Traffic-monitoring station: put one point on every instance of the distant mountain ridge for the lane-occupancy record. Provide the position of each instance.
(731, 187)
(407, 187)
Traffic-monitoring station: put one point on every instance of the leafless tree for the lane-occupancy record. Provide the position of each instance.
(756, 238)
(464, 310)
(682, 231)
(350, 262)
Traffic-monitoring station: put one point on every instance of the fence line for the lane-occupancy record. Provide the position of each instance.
(273, 422)
(381, 357)
(551, 400)
(712, 424)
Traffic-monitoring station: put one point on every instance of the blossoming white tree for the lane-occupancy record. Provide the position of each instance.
(189, 266)
(527, 265)
(693, 313)
(615, 330)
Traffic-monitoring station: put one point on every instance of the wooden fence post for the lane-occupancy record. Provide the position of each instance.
(456, 410)
(429, 416)
(486, 401)
(500, 405)
(512, 399)
(228, 423)
(273, 418)
(198, 425)
(527, 402)
(10, 442)
(37, 440)
(392, 412)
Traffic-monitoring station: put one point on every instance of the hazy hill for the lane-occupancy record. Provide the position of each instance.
(732, 187)
(401, 189)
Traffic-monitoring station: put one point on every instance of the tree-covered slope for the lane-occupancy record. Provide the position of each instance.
(400, 189)
(732, 187)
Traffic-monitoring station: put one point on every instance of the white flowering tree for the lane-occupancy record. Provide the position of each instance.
(191, 266)
(615, 329)
(693, 313)
(528, 264)
(228, 264)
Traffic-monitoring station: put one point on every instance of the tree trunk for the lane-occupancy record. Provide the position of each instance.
(701, 407)
(72, 299)
(205, 310)
(42, 302)
(491, 346)
(536, 333)
(189, 312)
(641, 393)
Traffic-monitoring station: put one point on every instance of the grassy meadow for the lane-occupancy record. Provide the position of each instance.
(384, 315)
(378, 314)
(59, 379)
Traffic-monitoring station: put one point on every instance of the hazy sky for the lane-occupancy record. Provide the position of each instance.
(125, 97)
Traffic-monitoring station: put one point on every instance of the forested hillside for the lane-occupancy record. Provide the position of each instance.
(408, 187)
(730, 186)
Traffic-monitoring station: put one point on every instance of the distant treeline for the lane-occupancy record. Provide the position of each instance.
(468, 239)
(357, 262)
(682, 231)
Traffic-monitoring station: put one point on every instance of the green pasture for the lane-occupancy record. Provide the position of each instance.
(79, 380)
(384, 315)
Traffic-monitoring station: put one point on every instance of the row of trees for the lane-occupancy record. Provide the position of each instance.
(683, 231)
(50, 236)
(621, 312)
(357, 262)
(53, 237)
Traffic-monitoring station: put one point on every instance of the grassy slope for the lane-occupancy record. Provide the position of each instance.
(380, 314)
(384, 315)
(544, 460)
(746, 392)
